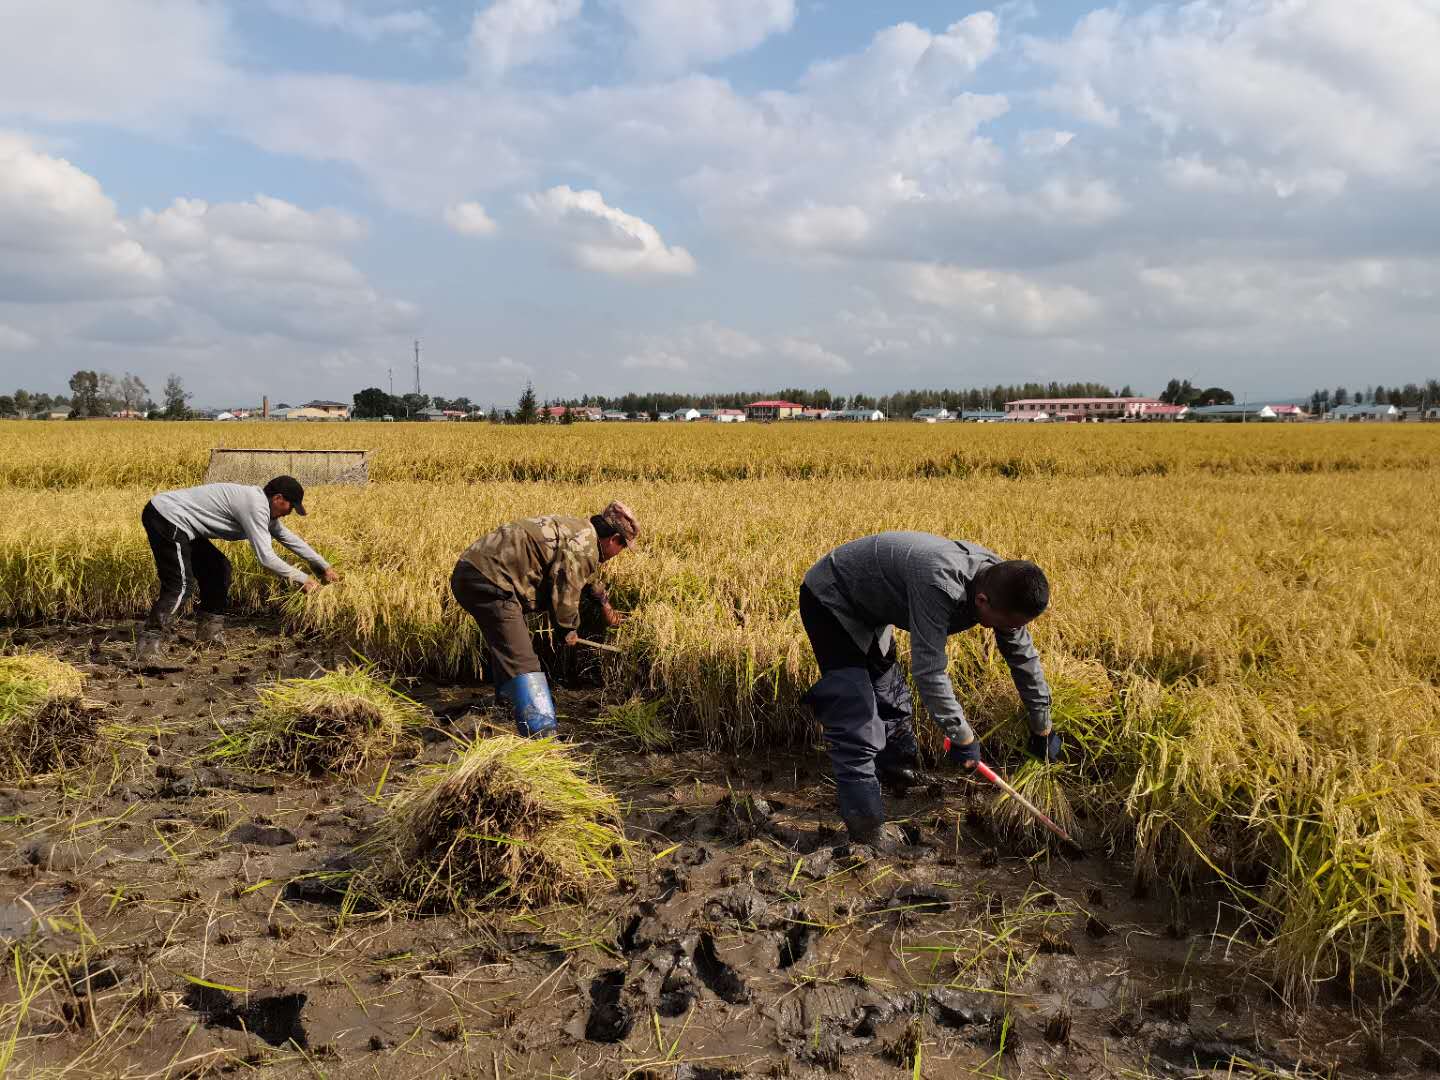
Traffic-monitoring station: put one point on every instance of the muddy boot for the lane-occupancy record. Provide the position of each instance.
(210, 630)
(899, 778)
(149, 650)
(862, 809)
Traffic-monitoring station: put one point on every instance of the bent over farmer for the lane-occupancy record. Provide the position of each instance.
(538, 564)
(180, 525)
(851, 602)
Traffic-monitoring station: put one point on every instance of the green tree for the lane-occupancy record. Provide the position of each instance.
(7, 405)
(525, 412)
(24, 402)
(371, 404)
(177, 401)
(1215, 395)
(85, 395)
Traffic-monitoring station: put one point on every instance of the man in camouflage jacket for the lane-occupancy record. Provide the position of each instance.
(537, 564)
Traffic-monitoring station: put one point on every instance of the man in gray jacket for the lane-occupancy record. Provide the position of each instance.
(851, 602)
(181, 524)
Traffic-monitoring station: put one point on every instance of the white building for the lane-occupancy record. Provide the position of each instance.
(1363, 414)
(864, 416)
(932, 416)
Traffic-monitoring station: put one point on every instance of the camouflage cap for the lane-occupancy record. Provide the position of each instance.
(622, 519)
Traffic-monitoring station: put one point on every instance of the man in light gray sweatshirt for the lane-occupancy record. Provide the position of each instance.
(181, 524)
(851, 602)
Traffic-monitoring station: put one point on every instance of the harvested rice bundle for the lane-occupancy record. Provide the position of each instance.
(340, 722)
(44, 725)
(507, 822)
(1043, 785)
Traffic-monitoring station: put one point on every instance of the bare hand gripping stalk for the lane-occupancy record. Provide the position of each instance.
(180, 525)
(851, 602)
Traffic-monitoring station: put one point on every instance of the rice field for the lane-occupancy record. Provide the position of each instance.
(1243, 638)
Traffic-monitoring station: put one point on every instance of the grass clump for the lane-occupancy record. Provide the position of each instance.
(43, 722)
(507, 822)
(638, 720)
(340, 722)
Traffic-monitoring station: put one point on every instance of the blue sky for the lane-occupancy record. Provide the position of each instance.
(277, 196)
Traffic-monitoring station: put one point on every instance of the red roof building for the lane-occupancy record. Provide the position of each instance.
(773, 410)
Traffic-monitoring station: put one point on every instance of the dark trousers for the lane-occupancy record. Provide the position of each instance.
(859, 735)
(501, 620)
(185, 567)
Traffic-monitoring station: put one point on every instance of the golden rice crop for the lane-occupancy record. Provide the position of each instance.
(1243, 638)
(43, 724)
(162, 454)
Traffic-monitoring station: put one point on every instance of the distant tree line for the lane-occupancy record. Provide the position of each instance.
(98, 393)
(901, 403)
(1409, 396)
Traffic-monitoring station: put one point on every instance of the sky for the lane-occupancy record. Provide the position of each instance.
(278, 197)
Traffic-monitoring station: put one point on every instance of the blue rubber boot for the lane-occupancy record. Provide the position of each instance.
(528, 699)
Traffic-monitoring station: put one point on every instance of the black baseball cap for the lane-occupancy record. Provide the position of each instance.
(289, 487)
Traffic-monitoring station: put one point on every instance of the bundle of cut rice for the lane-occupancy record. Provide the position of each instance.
(44, 725)
(507, 822)
(340, 722)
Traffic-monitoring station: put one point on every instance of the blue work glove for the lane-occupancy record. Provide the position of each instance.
(1044, 747)
(966, 756)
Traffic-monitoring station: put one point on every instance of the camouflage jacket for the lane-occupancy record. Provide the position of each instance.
(547, 562)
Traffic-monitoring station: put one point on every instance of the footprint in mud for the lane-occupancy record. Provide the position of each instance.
(796, 943)
(719, 976)
(274, 1018)
(610, 1020)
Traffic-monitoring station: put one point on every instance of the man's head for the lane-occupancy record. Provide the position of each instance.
(616, 529)
(285, 494)
(1010, 594)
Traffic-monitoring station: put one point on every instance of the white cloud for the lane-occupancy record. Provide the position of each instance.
(811, 356)
(181, 275)
(1321, 83)
(13, 340)
(268, 266)
(348, 17)
(60, 235)
(674, 35)
(147, 64)
(1003, 302)
(470, 219)
(604, 238)
(1044, 141)
(512, 33)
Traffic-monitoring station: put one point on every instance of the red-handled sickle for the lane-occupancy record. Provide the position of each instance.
(1033, 810)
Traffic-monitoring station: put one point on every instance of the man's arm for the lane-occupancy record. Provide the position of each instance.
(293, 543)
(930, 610)
(1019, 652)
(254, 518)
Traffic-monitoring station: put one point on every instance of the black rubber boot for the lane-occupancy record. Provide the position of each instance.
(210, 630)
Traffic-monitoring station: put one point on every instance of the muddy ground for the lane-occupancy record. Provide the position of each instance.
(157, 920)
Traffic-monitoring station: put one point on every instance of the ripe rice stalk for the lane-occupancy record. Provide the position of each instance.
(1044, 784)
(44, 724)
(507, 822)
(340, 722)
